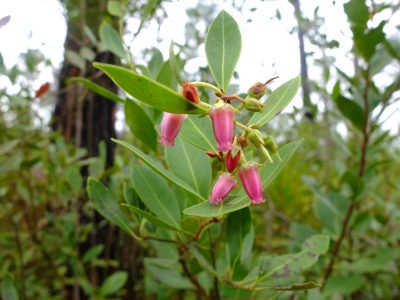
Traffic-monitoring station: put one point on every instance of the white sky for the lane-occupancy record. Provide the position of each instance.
(268, 47)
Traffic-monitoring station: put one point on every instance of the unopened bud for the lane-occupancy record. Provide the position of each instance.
(212, 154)
(243, 141)
(190, 92)
(257, 90)
(256, 138)
(270, 144)
(254, 105)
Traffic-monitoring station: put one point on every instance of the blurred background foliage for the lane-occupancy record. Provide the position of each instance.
(341, 182)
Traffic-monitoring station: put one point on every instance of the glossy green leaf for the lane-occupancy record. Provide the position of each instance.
(351, 110)
(276, 102)
(149, 217)
(158, 168)
(149, 91)
(156, 194)
(238, 226)
(113, 283)
(106, 204)
(223, 46)
(198, 131)
(191, 165)
(278, 270)
(201, 260)
(267, 174)
(98, 89)
(8, 290)
(140, 124)
(112, 40)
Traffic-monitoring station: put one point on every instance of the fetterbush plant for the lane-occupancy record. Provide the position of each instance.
(208, 248)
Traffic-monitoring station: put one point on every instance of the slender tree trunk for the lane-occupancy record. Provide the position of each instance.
(305, 85)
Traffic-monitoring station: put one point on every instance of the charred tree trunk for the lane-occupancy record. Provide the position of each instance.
(86, 119)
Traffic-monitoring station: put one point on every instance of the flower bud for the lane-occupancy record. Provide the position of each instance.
(254, 105)
(256, 138)
(257, 90)
(211, 154)
(231, 162)
(224, 185)
(190, 92)
(270, 144)
(170, 126)
(222, 123)
(251, 181)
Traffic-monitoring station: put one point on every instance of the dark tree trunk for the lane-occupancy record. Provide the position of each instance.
(85, 119)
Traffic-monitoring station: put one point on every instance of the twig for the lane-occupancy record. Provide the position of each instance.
(203, 225)
(193, 279)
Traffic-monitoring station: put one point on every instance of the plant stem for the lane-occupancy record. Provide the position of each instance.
(193, 279)
(243, 127)
(207, 85)
(361, 172)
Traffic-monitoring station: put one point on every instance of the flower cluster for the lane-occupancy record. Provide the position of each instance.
(222, 116)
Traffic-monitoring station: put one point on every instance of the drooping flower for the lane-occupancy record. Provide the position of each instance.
(170, 126)
(224, 185)
(222, 123)
(231, 162)
(251, 181)
(190, 92)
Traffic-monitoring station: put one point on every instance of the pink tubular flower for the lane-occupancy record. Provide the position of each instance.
(222, 188)
(231, 162)
(170, 126)
(222, 122)
(251, 182)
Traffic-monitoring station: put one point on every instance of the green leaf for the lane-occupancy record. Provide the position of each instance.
(113, 283)
(8, 291)
(149, 217)
(107, 205)
(75, 59)
(351, 110)
(366, 43)
(267, 174)
(223, 46)
(168, 276)
(98, 89)
(158, 168)
(357, 12)
(343, 285)
(201, 260)
(115, 8)
(156, 194)
(237, 227)
(140, 124)
(198, 132)
(112, 40)
(2, 66)
(155, 63)
(149, 91)
(93, 253)
(276, 102)
(275, 270)
(191, 165)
